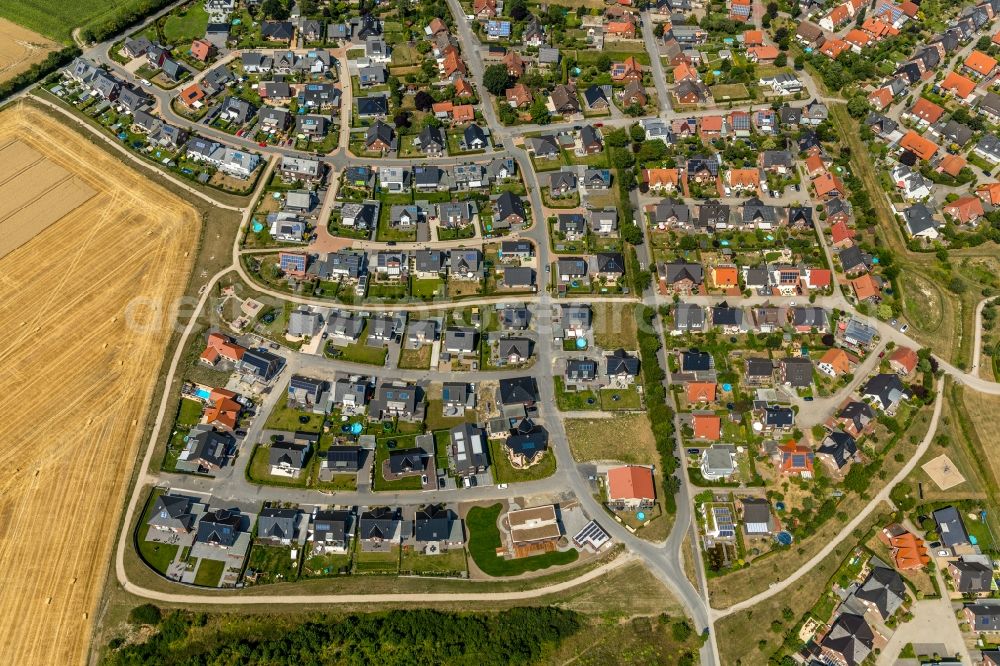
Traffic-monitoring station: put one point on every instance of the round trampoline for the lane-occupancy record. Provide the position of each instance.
(784, 538)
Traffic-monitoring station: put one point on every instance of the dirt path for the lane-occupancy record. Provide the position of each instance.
(416, 598)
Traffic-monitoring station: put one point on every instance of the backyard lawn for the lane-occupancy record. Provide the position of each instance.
(426, 288)
(448, 562)
(273, 563)
(329, 564)
(618, 399)
(189, 412)
(484, 539)
(384, 563)
(209, 572)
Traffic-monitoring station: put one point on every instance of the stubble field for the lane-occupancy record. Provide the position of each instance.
(83, 319)
(21, 48)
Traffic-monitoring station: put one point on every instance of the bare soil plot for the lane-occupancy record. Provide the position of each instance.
(85, 314)
(21, 48)
(614, 325)
(627, 438)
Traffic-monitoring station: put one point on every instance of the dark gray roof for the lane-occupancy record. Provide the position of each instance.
(172, 512)
(509, 205)
(379, 523)
(693, 360)
(973, 576)
(884, 588)
(887, 387)
(344, 458)
(528, 444)
(679, 271)
(277, 523)
(432, 524)
(851, 637)
(621, 363)
(376, 105)
(518, 390)
(220, 527)
(333, 524)
(798, 371)
(760, 367)
(611, 262)
(406, 461)
(286, 453)
(518, 276)
(840, 446)
(951, 527)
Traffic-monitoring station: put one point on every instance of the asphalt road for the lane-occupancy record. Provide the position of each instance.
(664, 559)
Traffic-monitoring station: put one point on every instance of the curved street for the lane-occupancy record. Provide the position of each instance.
(663, 559)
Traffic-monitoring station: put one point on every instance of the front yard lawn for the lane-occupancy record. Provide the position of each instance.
(358, 352)
(259, 470)
(415, 359)
(274, 564)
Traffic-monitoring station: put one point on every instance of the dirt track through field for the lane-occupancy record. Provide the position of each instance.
(78, 364)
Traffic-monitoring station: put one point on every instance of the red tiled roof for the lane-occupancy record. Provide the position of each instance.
(631, 482)
(905, 358)
(958, 84)
(980, 63)
(701, 392)
(918, 145)
(707, 426)
(927, 110)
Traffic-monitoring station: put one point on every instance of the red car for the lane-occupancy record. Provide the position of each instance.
(262, 144)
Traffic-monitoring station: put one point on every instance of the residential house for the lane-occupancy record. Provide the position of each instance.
(885, 391)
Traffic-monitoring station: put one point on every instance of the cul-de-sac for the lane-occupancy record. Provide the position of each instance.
(500, 331)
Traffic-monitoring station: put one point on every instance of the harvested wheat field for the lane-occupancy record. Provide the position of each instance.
(83, 335)
(21, 48)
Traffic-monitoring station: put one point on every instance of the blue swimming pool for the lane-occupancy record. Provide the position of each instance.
(204, 394)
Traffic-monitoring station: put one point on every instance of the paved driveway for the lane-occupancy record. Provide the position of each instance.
(933, 621)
